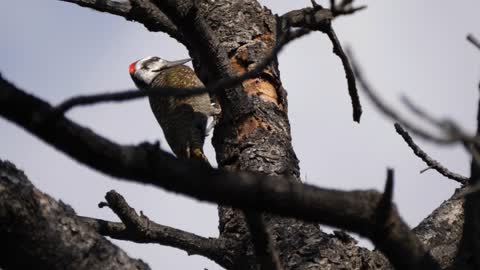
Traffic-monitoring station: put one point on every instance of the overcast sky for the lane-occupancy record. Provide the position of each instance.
(55, 50)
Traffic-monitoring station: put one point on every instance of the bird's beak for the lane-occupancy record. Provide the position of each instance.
(169, 64)
(178, 62)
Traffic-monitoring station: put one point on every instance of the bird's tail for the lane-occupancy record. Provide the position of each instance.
(197, 154)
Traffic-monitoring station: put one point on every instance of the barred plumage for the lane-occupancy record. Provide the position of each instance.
(183, 119)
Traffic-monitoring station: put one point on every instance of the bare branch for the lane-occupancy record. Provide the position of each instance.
(140, 229)
(344, 8)
(352, 87)
(353, 211)
(113, 7)
(422, 113)
(473, 40)
(265, 250)
(385, 205)
(348, 11)
(142, 11)
(442, 230)
(432, 163)
(319, 19)
(315, 18)
(452, 133)
(424, 170)
(39, 232)
(166, 91)
(392, 114)
(447, 126)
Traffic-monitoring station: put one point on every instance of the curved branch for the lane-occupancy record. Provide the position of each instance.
(354, 211)
(113, 7)
(319, 18)
(352, 85)
(142, 11)
(140, 229)
(391, 113)
(432, 163)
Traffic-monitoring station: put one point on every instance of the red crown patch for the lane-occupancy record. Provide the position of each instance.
(131, 68)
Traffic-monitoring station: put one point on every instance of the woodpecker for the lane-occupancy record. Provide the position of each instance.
(182, 119)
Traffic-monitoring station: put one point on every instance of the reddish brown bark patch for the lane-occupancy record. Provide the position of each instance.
(245, 59)
(248, 125)
(262, 88)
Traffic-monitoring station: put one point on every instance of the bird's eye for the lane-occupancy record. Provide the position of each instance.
(155, 58)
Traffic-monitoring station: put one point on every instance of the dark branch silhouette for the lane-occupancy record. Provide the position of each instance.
(432, 163)
(147, 164)
(281, 212)
(263, 244)
(344, 8)
(452, 133)
(140, 229)
(39, 232)
(317, 18)
(475, 42)
(142, 11)
(212, 88)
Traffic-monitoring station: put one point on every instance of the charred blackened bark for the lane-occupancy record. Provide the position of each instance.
(38, 232)
(254, 135)
(225, 38)
(468, 257)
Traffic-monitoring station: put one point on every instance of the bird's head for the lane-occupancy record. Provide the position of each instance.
(146, 69)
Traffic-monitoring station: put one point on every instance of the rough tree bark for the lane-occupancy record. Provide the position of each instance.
(225, 38)
(38, 232)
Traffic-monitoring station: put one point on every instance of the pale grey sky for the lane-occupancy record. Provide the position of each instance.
(55, 50)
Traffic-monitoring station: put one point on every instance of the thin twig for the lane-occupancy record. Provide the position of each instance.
(319, 19)
(432, 163)
(344, 8)
(219, 85)
(142, 11)
(348, 11)
(112, 7)
(473, 40)
(425, 170)
(389, 112)
(421, 112)
(352, 87)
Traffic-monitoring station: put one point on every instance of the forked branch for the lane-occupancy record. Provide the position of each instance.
(140, 229)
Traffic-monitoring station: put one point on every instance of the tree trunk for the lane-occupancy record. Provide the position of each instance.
(225, 38)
